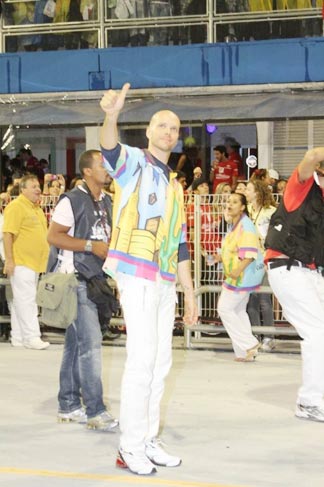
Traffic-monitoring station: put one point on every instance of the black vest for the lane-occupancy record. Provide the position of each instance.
(300, 233)
(89, 226)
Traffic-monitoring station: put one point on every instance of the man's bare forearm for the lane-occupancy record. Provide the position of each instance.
(109, 133)
(190, 316)
(8, 240)
(310, 163)
(185, 279)
(58, 236)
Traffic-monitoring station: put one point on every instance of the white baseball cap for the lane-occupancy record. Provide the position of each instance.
(273, 174)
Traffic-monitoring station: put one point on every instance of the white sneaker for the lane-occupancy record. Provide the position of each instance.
(103, 422)
(268, 344)
(16, 343)
(312, 413)
(155, 452)
(77, 416)
(136, 462)
(36, 344)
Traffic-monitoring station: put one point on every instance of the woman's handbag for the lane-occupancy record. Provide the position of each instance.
(57, 297)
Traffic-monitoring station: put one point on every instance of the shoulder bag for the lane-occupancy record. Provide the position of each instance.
(57, 297)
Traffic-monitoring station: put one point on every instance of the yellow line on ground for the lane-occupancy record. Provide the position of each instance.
(109, 478)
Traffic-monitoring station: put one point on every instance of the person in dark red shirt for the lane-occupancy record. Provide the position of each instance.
(210, 239)
(223, 170)
(233, 155)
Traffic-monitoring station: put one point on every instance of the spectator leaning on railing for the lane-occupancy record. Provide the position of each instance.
(261, 208)
(54, 185)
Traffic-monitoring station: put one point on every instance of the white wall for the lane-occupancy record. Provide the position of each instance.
(92, 138)
(246, 135)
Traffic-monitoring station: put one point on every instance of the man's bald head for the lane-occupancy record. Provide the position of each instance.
(163, 133)
(162, 115)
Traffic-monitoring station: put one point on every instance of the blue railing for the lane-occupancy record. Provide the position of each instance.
(237, 63)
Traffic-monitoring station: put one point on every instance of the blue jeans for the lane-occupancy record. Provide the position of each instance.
(260, 306)
(80, 373)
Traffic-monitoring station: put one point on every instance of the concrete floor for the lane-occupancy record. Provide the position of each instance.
(232, 423)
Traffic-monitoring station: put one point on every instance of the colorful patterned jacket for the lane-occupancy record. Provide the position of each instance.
(148, 217)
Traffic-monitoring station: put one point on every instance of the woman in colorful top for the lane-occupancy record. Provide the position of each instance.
(243, 269)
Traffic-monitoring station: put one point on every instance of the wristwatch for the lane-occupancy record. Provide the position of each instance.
(88, 246)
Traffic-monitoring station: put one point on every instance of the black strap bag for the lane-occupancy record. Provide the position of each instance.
(100, 292)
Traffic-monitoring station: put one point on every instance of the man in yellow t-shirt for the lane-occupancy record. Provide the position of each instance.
(26, 253)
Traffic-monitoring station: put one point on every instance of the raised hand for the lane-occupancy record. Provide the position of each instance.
(47, 177)
(113, 101)
(61, 180)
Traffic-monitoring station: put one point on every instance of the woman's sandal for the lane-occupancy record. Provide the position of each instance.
(250, 354)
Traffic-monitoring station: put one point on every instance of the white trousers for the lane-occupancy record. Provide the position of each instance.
(24, 310)
(149, 309)
(232, 311)
(300, 292)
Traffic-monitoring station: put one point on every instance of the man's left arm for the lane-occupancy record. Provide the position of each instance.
(8, 240)
(11, 226)
(190, 310)
(311, 161)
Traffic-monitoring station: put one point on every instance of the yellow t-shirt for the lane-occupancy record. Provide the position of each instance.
(27, 222)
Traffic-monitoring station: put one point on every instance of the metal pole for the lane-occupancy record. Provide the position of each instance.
(101, 15)
(210, 29)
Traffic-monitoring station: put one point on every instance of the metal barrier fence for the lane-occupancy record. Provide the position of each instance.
(206, 228)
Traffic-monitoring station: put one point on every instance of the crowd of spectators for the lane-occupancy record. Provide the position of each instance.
(25, 163)
(51, 12)
(30, 193)
(62, 11)
(212, 192)
(213, 187)
(79, 11)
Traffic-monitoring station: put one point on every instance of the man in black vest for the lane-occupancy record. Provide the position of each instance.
(80, 228)
(295, 260)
